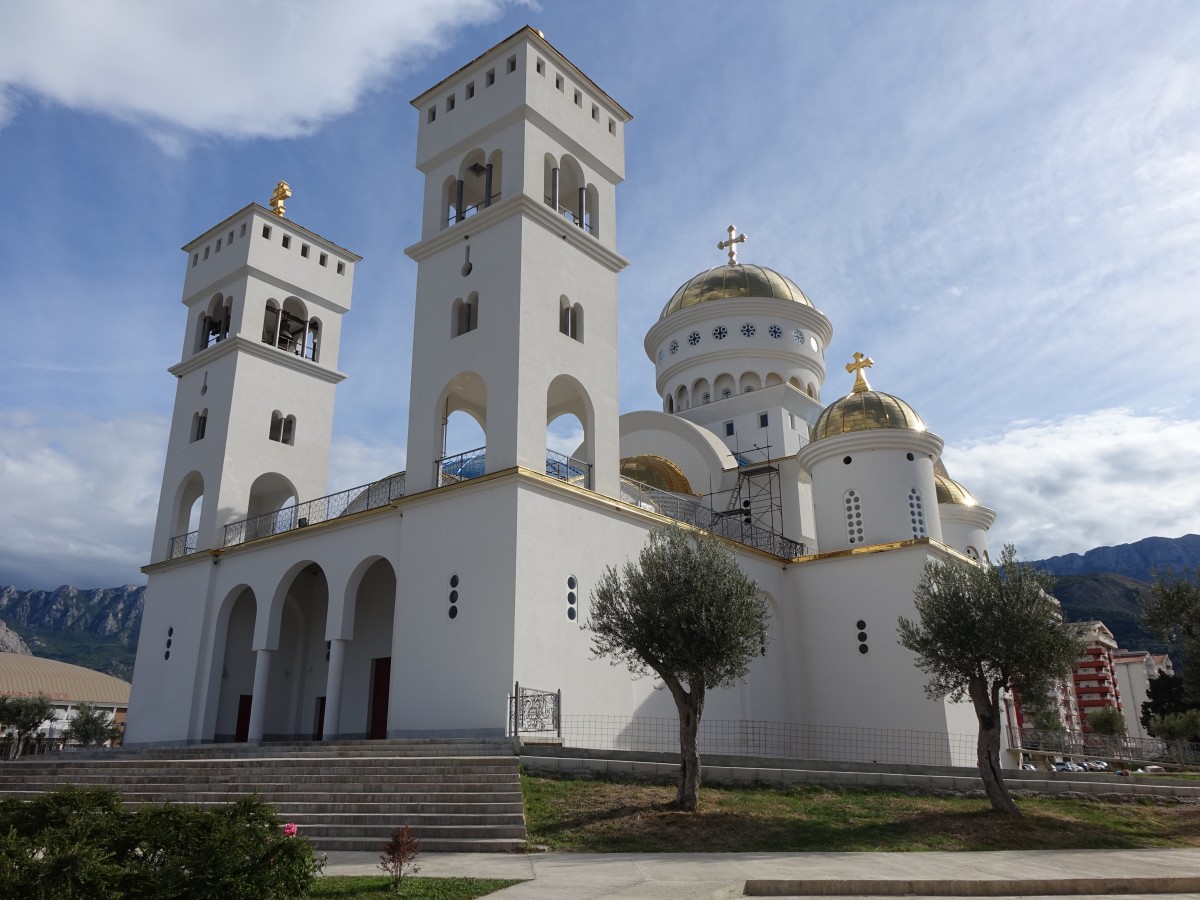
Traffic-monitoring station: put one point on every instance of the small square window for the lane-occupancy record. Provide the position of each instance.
(206, 252)
(762, 420)
(595, 112)
(195, 259)
(230, 241)
(612, 126)
(431, 114)
(728, 429)
(304, 250)
(324, 260)
(450, 103)
(541, 67)
(489, 78)
(267, 232)
(470, 92)
(287, 241)
(578, 98)
(512, 64)
(558, 82)
(341, 268)
(218, 250)
(243, 231)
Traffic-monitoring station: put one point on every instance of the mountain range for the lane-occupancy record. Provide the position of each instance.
(98, 628)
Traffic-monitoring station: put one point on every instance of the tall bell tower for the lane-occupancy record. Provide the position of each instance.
(255, 383)
(516, 308)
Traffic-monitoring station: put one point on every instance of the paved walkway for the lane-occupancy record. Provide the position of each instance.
(674, 876)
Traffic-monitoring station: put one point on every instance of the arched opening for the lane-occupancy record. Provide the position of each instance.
(272, 506)
(189, 502)
(723, 387)
(773, 378)
(681, 398)
(366, 680)
(493, 178)
(591, 211)
(463, 428)
(571, 190)
(570, 318)
(464, 315)
(312, 340)
(298, 668)
(701, 391)
(201, 339)
(292, 333)
(276, 431)
(812, 391)
(749, 382)
(796, 383)
(449, 201)
(216, 323)
(233, 666)
(270, 331)
(199, 425)
(289, 430)
(570, 432)
(669, 404)
(471, 191)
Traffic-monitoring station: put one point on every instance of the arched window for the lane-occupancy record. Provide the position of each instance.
(973, 553)
(570, 319)
(289, 430)
(270, 332)
(571, 191)
(681, 398)
(292, 332)
(276, 431)
(749, 382)
(215, 327)
(199, 425)
(464, 315)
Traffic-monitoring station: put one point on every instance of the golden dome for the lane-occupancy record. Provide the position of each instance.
(863, 411)
(723, 282)
(951, 492)
(657, 472)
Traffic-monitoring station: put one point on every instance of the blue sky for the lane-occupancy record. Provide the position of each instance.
(998, 201)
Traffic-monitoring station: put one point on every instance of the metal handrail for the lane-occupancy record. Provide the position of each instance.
(691, 512)
(1101, 746)
(569, 213)
(473, 209)
(367, 496)
(183, 545)
(460, 467)
(568, 469)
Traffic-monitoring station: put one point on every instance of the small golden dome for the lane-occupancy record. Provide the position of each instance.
(952, 493)
(863, 411)
(657, 472)
(723, 282)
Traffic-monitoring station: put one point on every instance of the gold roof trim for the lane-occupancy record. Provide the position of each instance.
(737, 280)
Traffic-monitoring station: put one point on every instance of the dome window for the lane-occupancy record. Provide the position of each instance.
(854, 524)
(674, 348)
(706, 398)
(798, 336)
(775, 331)
(726, 393)
(748, 330)
(720, 332)
(694, 338)
(661, 356)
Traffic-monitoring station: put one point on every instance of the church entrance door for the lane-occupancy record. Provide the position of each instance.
(319, 720)
(381, 677)
(242, 733)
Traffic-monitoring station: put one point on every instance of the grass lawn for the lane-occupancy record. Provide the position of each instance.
(352, 887)
(605, 816)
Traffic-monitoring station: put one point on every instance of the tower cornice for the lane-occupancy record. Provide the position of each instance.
(925, 442)
(520, 205)
(238, 344)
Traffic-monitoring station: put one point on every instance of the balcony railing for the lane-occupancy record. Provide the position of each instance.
(183, 545)
(568, 469)
(324, 509)
(472, 210)
(697, 514)
(571, 216)
(460, 467)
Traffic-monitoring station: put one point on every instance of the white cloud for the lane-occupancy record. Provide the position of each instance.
(243, 69)
(80, 498)
(1098, 479)
(354, 462)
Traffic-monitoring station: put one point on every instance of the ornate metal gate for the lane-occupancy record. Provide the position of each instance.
(534, 712)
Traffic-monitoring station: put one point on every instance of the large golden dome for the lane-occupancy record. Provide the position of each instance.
(657, 472)
(738, 280)
(864, 409)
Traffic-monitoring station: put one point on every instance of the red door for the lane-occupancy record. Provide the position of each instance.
(381, 677)
(242, 734)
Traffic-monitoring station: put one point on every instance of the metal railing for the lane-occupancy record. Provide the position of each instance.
(534, 712)
(1102, 746)
(183, 545)
(460, 467)
(323, 509)
(568, 469)
(571, 216)
(472, 210)
(733, 527)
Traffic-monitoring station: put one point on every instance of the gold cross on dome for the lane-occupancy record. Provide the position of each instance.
(860, 380)
(282, 192)
(731, 244)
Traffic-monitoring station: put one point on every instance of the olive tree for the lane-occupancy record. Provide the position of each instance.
(686, 612)
(1106, 720)
(25, 715)
(89, 726)
(981, 631)
(1172, 611)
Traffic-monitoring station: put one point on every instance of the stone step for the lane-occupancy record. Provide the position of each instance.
(274, 775)
(318, 833)
(428, 845)
(415, 766)
(510, 802)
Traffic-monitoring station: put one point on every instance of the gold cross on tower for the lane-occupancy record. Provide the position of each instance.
(731, 244)
(282, 192)
(860, 380)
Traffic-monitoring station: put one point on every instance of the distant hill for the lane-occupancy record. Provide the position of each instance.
(1114, 600)
(97, 629)
(10, 642)
(1138, 561)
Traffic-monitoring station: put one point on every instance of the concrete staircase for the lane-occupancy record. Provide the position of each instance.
(455, 795)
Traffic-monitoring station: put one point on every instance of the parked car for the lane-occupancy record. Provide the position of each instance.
(1097, 765)
(1029, 767)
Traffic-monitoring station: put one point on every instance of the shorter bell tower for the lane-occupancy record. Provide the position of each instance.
(255, 384)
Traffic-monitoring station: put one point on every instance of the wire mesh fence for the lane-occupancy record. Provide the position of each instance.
(1074, 744)
(782, 740)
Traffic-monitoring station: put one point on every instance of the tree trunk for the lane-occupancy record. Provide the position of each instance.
(690, 705)
(987, 748)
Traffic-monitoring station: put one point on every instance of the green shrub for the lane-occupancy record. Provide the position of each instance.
(75, 843)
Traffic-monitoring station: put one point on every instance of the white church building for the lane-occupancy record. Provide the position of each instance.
(409, 607)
